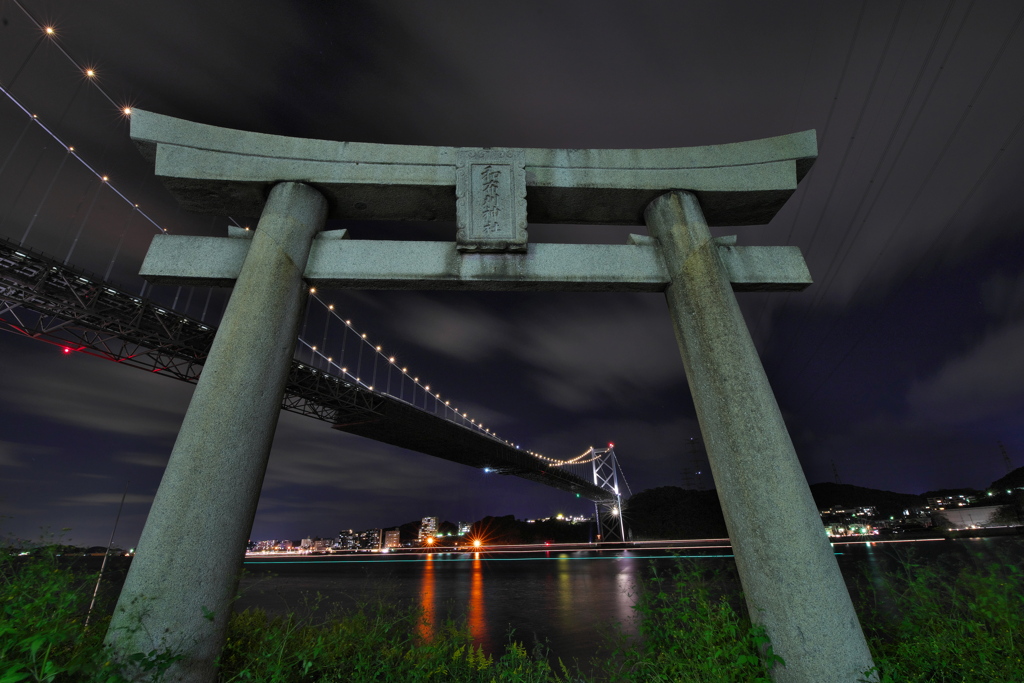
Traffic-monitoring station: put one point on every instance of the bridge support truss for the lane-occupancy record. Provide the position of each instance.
(608, 514)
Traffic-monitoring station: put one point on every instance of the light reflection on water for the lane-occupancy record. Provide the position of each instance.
(625, 589)
(427, 619)
(477, 618)
(563, 597)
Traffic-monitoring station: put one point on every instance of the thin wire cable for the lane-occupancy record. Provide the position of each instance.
(892, 136)
(926, 256)
(56, 42)
(35, 119)
(206, 306)
(924, 182)
(809, 181)
(832, 107)
(860, 119)
(865, 100)
(14, 148)
(31, 53)
(85, 220)
(46, 195)
(78, 89)
(21, 190)
(120, 241)
(458, 417)
(906, 137)
(465, 419)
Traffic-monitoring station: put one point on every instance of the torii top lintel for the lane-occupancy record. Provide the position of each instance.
(223, 171)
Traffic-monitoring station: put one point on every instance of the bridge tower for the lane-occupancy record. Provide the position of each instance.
(608, 513)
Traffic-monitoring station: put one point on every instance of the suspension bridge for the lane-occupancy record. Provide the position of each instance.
(81, 313)
(340, 377)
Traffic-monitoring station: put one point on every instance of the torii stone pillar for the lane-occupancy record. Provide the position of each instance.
(789, 573)
(798, 594)
(184, 577)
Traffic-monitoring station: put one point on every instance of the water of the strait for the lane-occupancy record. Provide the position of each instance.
(566, 598)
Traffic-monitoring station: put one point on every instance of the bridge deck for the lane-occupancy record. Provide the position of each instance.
(400, 424)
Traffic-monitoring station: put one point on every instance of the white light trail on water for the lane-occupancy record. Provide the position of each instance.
(434, 558)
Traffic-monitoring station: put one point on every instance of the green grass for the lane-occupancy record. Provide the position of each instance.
(943, 625)
(689, 630)
(42, 623)
(933, 624)
(374, 642)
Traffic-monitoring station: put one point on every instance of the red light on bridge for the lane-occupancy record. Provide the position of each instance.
(66, 350)
(611, 445)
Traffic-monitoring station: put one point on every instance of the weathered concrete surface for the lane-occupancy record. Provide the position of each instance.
(371, 264)
(223, 171)
(789, 573)
(183, 579)
(490, 200)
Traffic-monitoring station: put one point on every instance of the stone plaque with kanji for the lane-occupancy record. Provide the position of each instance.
(490, 191)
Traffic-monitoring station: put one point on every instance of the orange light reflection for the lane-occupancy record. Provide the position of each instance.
(426, 625)
(477, 623)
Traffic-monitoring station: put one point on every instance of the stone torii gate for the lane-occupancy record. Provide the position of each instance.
(178, 593)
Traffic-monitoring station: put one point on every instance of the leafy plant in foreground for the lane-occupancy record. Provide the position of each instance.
(377, 641)
(925, 624)
(962, 624)
(43, 635)
(687, 634)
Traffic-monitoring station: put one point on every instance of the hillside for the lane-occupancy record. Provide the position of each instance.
(673, 512)
(828, 494)
(1013, 480)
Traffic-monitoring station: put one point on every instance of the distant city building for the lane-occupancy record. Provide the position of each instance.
(850, 528)
(368, 540)
(345, 540)
(465, 528)
(862, 511)
(951, 501)
(852, 521)
(965, 517)
(575, 519)
(393, 538)
(307, 543)
(428, 527)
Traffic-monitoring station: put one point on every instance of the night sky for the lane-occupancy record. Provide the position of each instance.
(902, 365)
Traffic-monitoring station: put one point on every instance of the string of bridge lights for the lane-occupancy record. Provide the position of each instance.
(91, 75)
(392, 361)
(49, 31)
(105, 179)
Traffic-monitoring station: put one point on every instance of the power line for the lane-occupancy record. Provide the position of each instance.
(925, 258)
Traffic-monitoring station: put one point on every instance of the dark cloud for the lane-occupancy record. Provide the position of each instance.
(466, 331)
(107, 499)
(901, 363)
(988, 381)
(587, 357)
(90, 395)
